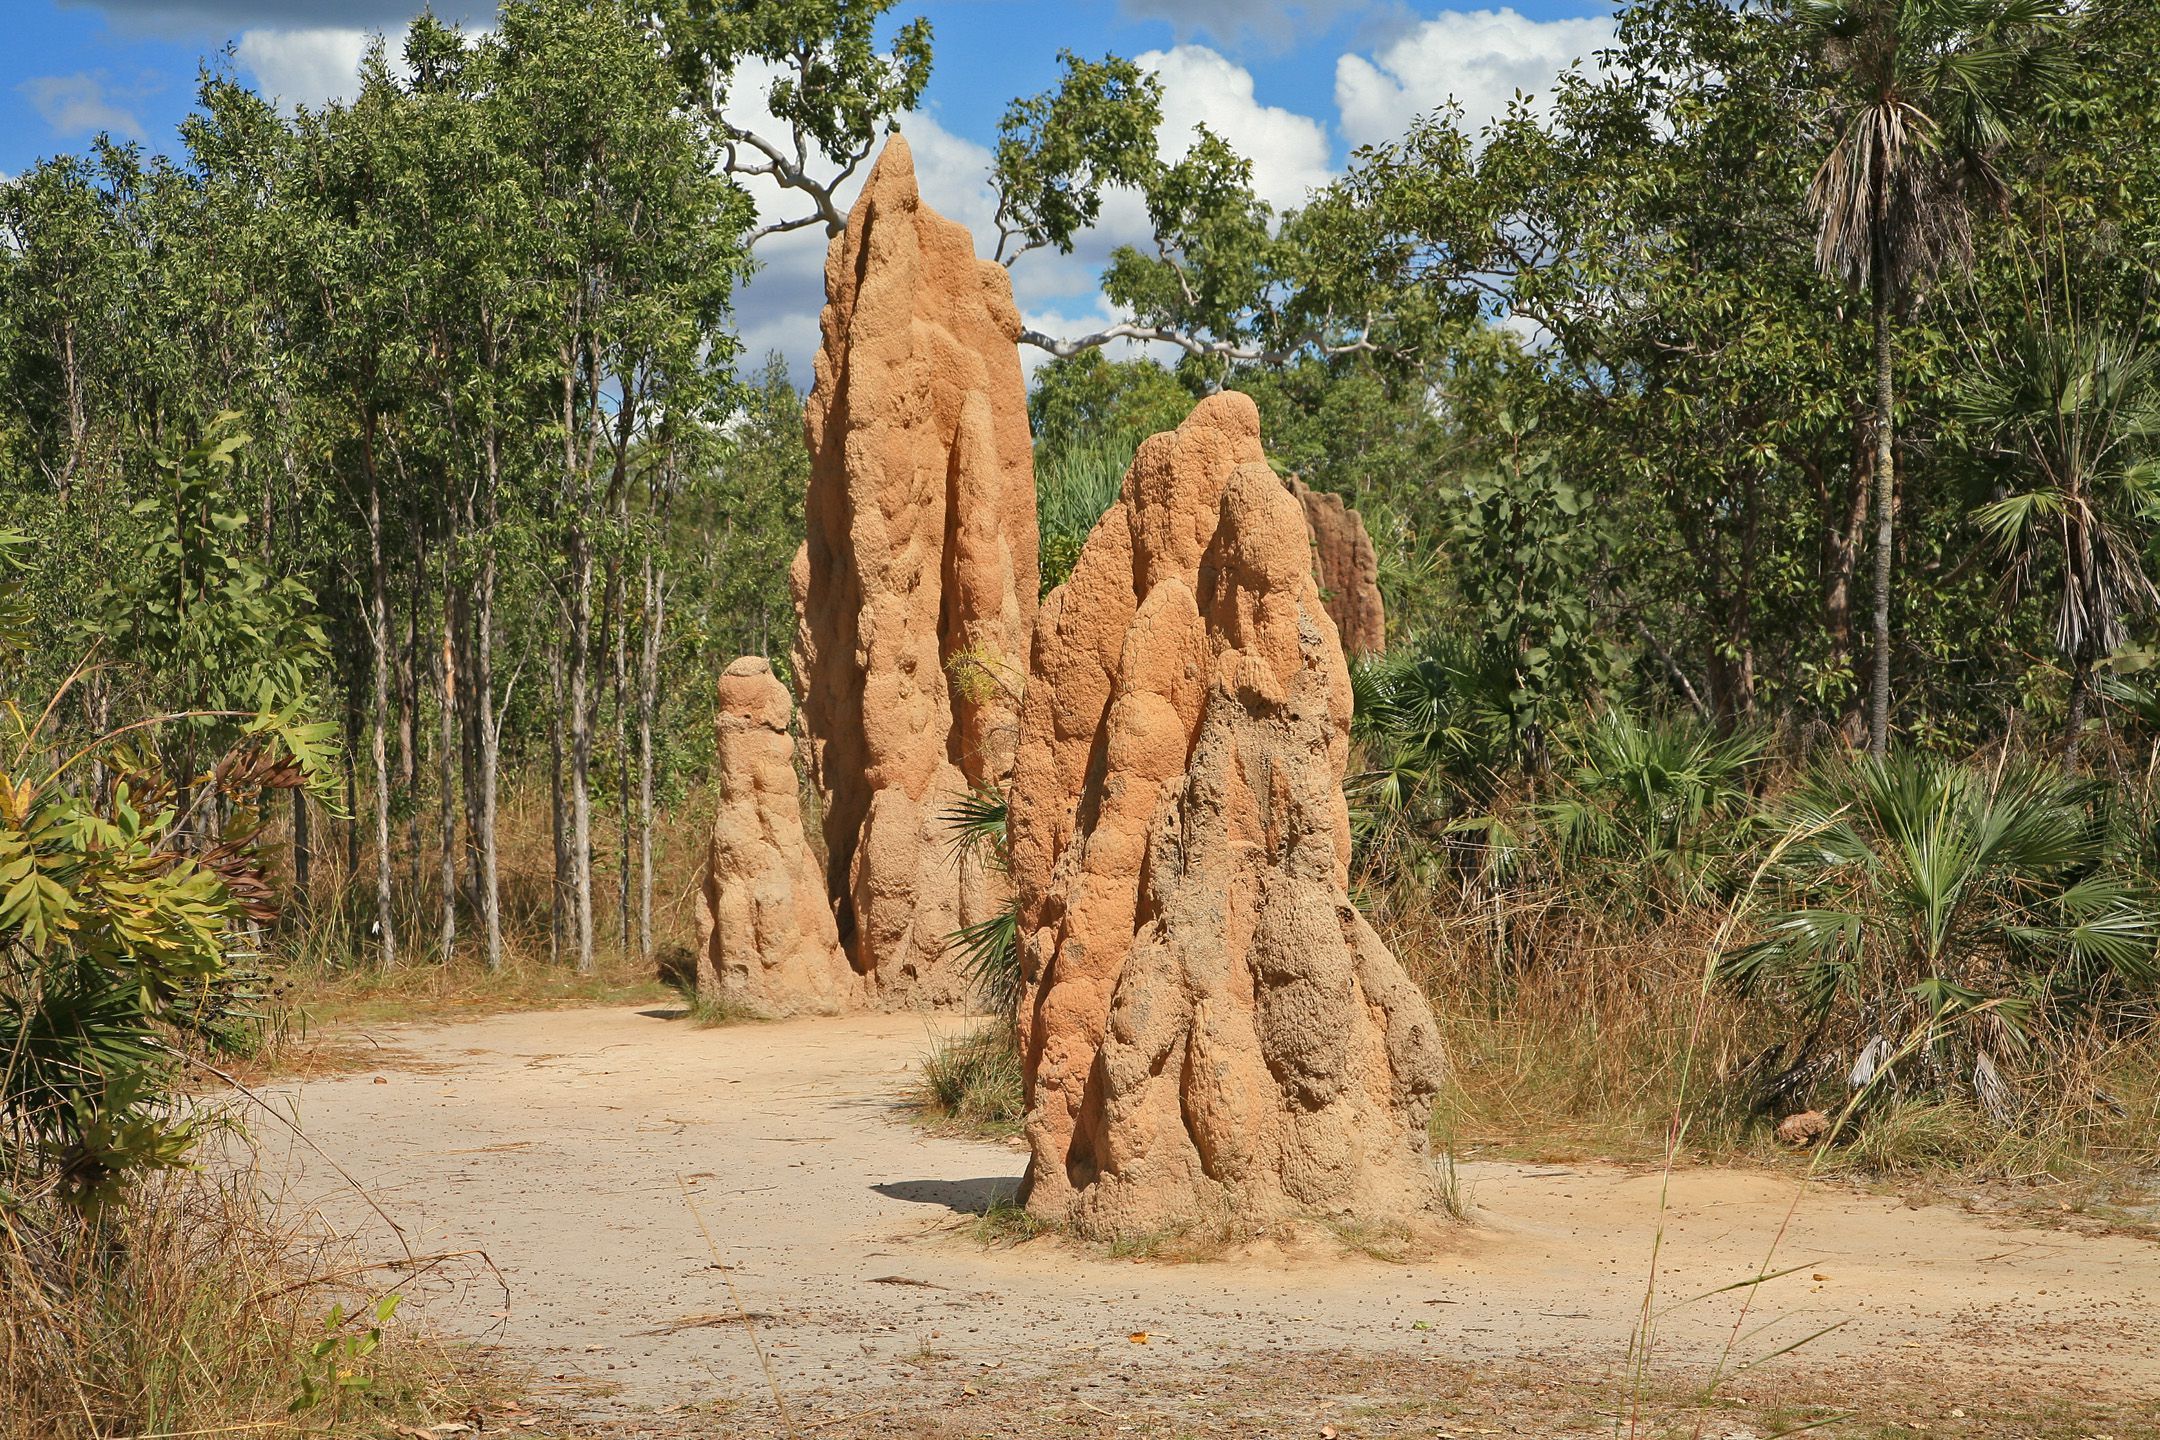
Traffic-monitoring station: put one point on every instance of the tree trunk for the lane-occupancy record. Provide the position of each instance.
(648, 698)
(408, 704)
(1842, 539)
(303, 851)
(2081, 668)
(446, 763)
(379, 702)
(1885, 503)
(352, 781)
(580, 782)
(561, 887)
(620, 663)
(483, 691)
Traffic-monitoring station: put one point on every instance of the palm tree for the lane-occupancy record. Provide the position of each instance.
(2078, 407)
(1915, 93)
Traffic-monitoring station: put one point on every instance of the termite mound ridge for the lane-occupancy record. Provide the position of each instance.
(1347, 568)
(1211, 1032)
(915, 587)
(766, 942)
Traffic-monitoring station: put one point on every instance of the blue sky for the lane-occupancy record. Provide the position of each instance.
(1295, 87)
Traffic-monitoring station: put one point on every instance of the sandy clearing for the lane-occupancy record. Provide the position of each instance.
(562, 1143)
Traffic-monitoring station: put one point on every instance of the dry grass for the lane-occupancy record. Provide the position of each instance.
(334, 987)
(1568, 1033)
(971, 1082)
(194, 1308)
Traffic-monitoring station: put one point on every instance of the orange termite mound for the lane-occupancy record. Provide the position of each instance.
(1211, 1032)
(765, 934)
(915, 587)
(1347, 569)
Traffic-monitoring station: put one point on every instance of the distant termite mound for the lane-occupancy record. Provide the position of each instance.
(765, 933)
(915, 587)
(1347, 569)
(1211, 1032)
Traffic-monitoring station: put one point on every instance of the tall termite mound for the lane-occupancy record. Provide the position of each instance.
(915, 587)
(1211, 1031)
(1347, 569)
(765, 933)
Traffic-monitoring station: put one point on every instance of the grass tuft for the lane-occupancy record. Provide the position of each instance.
(972, 1081)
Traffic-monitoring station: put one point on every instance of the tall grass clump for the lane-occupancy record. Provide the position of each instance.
(1074, 485)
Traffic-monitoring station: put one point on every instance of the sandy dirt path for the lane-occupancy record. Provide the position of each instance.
(564, 1144)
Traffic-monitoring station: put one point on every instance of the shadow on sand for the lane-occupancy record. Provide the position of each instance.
(963, 1197)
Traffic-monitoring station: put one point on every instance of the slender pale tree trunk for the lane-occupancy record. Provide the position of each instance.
(1885, 503)
(352, 782)
(580, 716)
(483, 689)
(303, 850)
(408, 684)
(559, 895)
(446, 767)
(647, 700)
(379, 702)
(620, 658)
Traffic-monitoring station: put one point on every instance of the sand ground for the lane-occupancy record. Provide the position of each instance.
(640, 1186)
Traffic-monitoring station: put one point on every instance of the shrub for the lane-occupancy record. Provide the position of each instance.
(1949, 921)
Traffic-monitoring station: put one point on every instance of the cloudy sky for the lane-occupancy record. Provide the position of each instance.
(1295, 87)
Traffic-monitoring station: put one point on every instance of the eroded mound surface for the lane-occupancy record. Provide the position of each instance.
(915, 587)
(1212, 1032)
(765, 933)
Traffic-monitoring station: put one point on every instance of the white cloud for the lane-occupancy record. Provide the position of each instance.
(78, 105)
(304, 67)
(1478, 57)
(1289, 152)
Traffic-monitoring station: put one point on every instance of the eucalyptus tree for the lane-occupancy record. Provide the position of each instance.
(1913, 90)
(639, 242)
(358, 357)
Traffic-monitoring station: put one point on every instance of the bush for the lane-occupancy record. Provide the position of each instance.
(1950, 925)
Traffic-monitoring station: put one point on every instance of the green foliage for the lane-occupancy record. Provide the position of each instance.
(1666, 802)
(989, 949)
(1073, 487)
(1056, 150)
(211, 627)
(118, 918)
(833, 85)
(2071, 413)
(1213, 246)
(1435, 745)
(337, 1363)
(1528, 546)
(114, 938)
(1083, 401)
(1952, 910)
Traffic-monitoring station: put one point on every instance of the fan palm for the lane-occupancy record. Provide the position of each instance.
(1664, 797)
(1915, 893)
(1916, 89)
(2078, 408)
(988, 950)
(1434, 736)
